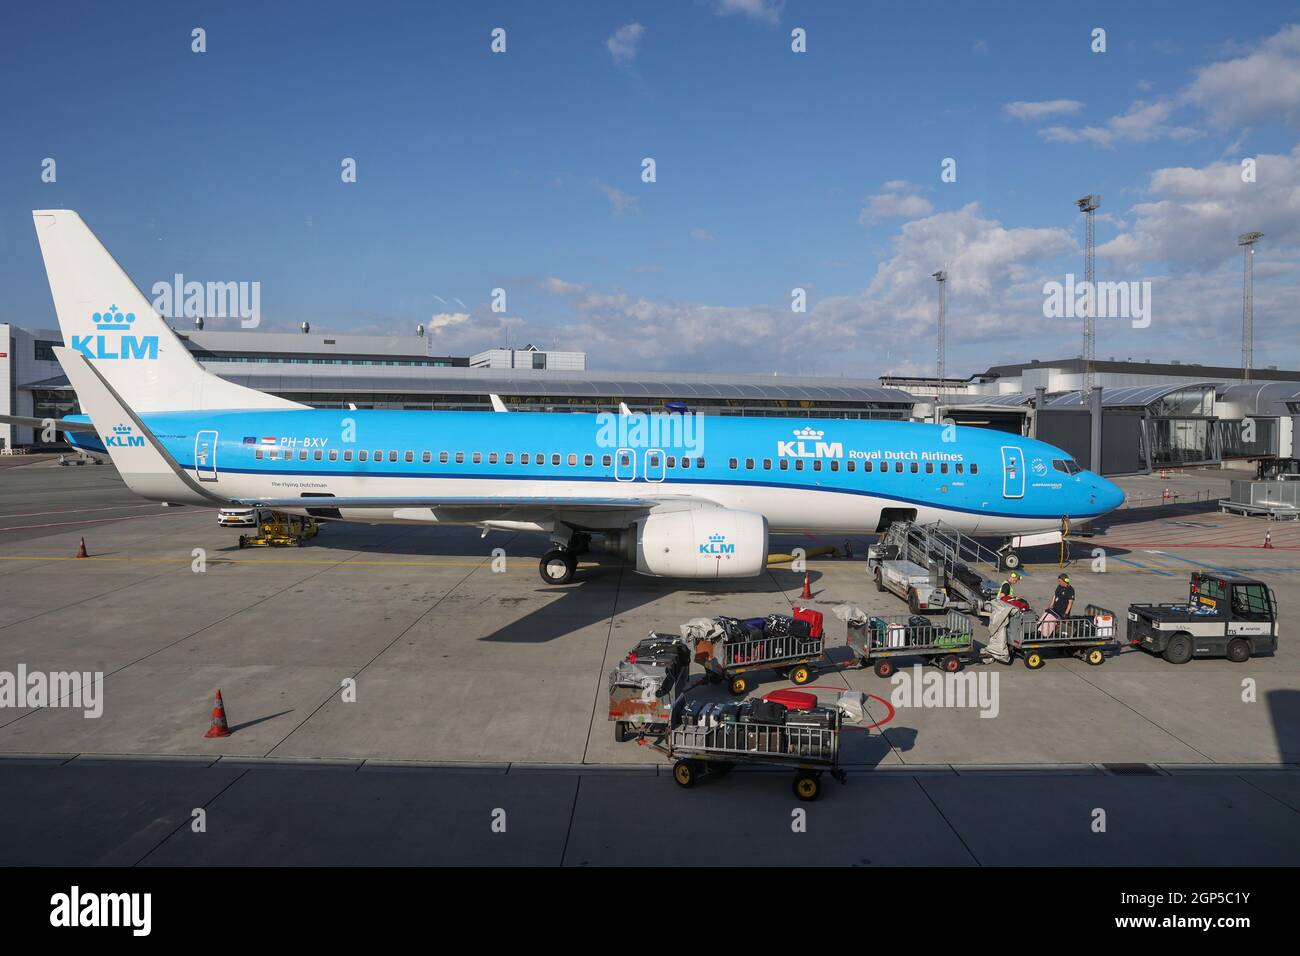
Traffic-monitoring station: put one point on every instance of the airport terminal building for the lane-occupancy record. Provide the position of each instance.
(1153, 415)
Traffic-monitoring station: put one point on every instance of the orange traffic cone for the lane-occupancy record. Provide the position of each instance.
(1166, 496)
(219, 726)
(81, 551)
(1268, 539)
(807, 587)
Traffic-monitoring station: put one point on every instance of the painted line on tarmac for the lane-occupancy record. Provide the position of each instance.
(1143, 567)
(79, 511)
(60, 524)
(187, 559)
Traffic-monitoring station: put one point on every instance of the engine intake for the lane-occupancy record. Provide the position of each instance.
(711, 543)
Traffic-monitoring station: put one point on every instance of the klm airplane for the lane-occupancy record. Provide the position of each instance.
(678, 495)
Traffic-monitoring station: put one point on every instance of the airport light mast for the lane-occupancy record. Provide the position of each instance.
(1247, 242)
(942, 278)
(1088, 206)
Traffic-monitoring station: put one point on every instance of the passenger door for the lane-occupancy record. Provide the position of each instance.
(205, 455)
(624, 464)
(1013, 472)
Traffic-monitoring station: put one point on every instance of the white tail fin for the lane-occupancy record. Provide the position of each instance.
(143, 463)
(110, 323)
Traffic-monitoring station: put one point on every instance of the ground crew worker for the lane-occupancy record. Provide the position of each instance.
(1008, 590)
(1063, 599)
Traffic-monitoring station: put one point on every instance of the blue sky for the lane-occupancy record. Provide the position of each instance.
(775, 170)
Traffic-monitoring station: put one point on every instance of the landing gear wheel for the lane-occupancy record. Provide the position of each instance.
(738, 685)
(1033, 660)
(807, 787)
(883, 668)
(1010, 561)
(685, 773)
(1179, 649)
(951, 663)
(620, 731)
(557, 566)
(1238, 650)
(801, 674)
(880, 584)
(1095, 656)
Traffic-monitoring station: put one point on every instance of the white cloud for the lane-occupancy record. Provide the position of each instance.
(1032, 111)
(446, 320)
(767, 11)
(619, 201)
(897, 198)
(1197, 213)
(625, 42)
(702, 235)
(1140, 123)
(1263, 85)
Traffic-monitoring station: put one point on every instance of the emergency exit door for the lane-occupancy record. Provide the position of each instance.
(205, 455)
(1013, 472)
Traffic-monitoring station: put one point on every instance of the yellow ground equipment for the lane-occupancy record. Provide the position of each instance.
(281, 531)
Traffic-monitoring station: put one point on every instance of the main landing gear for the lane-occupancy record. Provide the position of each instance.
(558, 566)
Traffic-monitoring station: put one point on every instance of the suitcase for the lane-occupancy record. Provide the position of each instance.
(777, 625)
(814, 618)
(765, 740)
(895, 636)
(793, 699)
(764, 712)
(728, 713)
(822, 718)
(736, 630)
(691, 712)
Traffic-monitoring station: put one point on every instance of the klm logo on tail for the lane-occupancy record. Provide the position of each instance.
(115, 344)
(123, 437)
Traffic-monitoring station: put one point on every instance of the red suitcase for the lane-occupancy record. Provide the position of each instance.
(814, 619)
(793, 699)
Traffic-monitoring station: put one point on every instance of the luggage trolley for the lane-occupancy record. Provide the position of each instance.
(695, 750)
(731, 660)
(1089, 637)
(879, 640)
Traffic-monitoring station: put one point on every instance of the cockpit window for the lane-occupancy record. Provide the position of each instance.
(1067, 465)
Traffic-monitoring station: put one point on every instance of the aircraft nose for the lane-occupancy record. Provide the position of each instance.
(1108, 494)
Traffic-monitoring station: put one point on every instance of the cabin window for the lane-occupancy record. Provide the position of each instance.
(606, 460)
(492, 458)
(929, 468)
(317, 455)
(539, 458)
(347, 454)
(625, 461)
(733, 464)
(588, 460)
(974, 468)
(767, 464)
(915, 468)
(409, 456)
(379, 456)
(672, 461)
(960, 468)
(460, 458)
(785, 464)
(798, 464)
(302, 455)
(363, 455)
(555, 458)
(523, 458)
(749, 464)
(478, 458)
(573, 460)
(510, 458)
(334, 454)
(442, 458)
(835, 465)
(943, 468)
(652, 460)
(392, 455)
(699, 462)
(257, 453)
(898, 467)
(426, 457)
(852, 466)
(817, 465)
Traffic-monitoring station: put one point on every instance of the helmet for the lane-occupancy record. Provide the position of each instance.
(1013, 576)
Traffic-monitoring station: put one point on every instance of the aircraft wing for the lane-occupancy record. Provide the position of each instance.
(477, 503)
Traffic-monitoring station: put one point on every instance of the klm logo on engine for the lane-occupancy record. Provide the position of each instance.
(113, 342)
(808, 444)
(123, 437)
(717, 545)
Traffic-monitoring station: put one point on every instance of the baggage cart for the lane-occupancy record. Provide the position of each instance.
(879, 641)
(1090, 636)
(696, 750)
(641, 692)
(733, 661)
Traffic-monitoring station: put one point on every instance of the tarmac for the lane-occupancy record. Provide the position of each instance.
(403, 695)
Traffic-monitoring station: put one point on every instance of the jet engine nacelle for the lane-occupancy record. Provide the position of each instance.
(712, 543)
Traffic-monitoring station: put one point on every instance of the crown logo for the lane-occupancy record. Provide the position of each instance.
(121, 429)
(717, 538)
(803, 433)
(113, 320)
